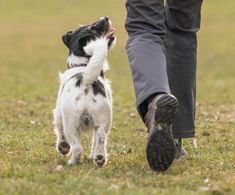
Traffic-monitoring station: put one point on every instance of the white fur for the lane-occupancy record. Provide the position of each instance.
(98, 50)
(73, 101)
(74, 60)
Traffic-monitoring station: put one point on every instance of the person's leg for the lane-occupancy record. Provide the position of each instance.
(147, 57)
(145, 49)
(182, 23)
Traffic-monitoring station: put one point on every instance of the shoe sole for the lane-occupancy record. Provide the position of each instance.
(160, 147)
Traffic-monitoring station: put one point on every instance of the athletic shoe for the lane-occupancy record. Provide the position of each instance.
(161, 146)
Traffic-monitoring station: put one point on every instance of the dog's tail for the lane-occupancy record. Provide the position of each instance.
(98, 50)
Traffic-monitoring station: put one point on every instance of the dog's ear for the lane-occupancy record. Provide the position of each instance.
(66, 38)
(84, 39)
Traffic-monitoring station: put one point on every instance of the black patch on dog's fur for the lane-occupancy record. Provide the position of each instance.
(76, 40)
(97, 85)
(102, 74)
(98, 88)
(79, 78)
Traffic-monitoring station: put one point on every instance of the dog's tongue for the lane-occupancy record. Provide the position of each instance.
(111, 32)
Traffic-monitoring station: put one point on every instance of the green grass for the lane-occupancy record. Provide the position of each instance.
(31, 56)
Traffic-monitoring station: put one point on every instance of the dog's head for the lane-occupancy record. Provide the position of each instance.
(76, 40)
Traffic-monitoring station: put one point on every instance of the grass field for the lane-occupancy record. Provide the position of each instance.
(31, 54)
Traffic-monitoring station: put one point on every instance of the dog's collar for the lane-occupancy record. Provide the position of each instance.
(80, 61)
(77, 65)
(84, 65)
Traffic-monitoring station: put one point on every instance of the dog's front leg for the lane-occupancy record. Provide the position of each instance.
(77, 150)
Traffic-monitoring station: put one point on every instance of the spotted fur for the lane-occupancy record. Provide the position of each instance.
(84, 99)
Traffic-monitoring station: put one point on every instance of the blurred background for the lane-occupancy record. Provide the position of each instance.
(32, 54)
(32, 51)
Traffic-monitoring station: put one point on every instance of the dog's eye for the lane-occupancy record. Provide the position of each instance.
(93, 28)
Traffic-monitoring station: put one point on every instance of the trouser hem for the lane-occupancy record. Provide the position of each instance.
(145, 96)
(184, 134)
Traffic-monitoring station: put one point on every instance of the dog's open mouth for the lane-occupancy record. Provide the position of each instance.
(110, 33)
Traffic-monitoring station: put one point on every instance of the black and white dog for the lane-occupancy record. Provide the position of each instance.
(84, 99)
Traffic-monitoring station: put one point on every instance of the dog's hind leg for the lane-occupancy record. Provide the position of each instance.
(91, 156)
(100, 140)
(102, 127)
(72, 134)
(61, 144)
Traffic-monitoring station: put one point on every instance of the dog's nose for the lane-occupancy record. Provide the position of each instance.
(105, 18)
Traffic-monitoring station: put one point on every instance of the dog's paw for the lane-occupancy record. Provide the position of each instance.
(100, 160)
(98, 45)
(71, 163)
(74, 161)
(63, 147)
